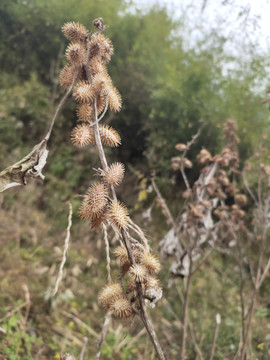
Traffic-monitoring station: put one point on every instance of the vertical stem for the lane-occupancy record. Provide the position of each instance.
(214, 341)
(143, 311)
(185, 311)
(144, 316)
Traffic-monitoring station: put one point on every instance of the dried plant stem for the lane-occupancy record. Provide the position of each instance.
(144, 316)
(59, 107)
(166, 208)
(85, 341)
(215, 339)
(143, 311)
(103, 333)
(64, 258)
(185, 311)
(108, 259)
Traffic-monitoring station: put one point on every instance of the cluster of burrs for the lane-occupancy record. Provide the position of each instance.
(94, 92)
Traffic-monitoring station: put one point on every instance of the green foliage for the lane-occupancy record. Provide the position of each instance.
(18, 342)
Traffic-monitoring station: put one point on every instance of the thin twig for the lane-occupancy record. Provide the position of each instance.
(166, 208)
(108, 259)
(218, 321)
(85, 341)
(64, 258)
(60, 105)
(103, 333)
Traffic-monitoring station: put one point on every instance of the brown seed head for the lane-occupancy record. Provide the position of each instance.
(66, 76)
(181, 147)
(76, 54)
(109, 136)
(118, 215)
(83, 92)
(138, 272)
(151, 263)
(187, 163)
(109, 294)
(82, 135)
(97, 219)
(75, 32)
(114, 175)
(115, 100)
(122, 308)
(97, 67)
(85, 112)
(95, 201)
(151, 282)
(102, 82)
(101, 47)
(121, 253)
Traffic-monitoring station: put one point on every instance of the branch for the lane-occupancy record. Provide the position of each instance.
(32, 164)
(64, 258)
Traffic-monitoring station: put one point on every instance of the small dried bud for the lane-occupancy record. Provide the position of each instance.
(118, 215)
(241, 199)
(187, 163)
(176, 163)
(181, 147)
(82, 135)
(109, 294)
(187, 193)
(122, 308)
(204, 157)
(98, 23)
(138, 272)
(114, 175)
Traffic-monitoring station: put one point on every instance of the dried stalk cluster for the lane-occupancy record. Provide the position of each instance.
(94, 93)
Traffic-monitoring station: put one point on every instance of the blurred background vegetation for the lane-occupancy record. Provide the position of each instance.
(171, 81)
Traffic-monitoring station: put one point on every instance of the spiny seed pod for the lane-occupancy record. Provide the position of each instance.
(83, 92)
(67, 75)
(101, 82)
(85, 112)
(114, 175)
(76, 54)
(109, 136)
(97, 219)
(101, 102)
(96, 67)
(151, 263)
(101, 47)
(121, 253)
(118, 215)
(82, 135)
(109, 294)
(138, 272)
(94, 202)
(75, 32)
(151, 282)
(115, 100)
(122, 308)
(131, 286)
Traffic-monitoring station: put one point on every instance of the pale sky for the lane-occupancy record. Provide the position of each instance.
(247, 21)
